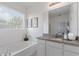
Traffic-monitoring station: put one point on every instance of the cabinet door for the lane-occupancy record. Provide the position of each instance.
(68, 53)
(41, 48)
(53, 49)
(70, 50)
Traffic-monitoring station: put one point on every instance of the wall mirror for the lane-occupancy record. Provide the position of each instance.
(63, 20)
(35, 22)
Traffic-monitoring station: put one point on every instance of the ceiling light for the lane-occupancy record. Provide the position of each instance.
(54, 3)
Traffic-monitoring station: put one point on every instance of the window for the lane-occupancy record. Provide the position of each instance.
(10, 19)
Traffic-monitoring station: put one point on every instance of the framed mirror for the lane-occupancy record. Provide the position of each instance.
(34, 22)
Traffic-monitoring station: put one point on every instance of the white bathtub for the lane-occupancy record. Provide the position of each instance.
(21, 48)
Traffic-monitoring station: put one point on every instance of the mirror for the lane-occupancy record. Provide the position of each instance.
(63, 21)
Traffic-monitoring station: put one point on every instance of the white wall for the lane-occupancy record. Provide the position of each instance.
(42, 26)
(57, 23)
(78, 18)
(45, 23)
(73, 18)
(11, 35)
(36, 32)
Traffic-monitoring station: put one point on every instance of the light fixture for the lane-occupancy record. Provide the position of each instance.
(53, 3)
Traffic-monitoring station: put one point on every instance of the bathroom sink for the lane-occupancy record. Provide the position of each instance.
(57, 39)
(53, 37)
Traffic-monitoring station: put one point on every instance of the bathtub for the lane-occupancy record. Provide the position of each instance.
(20, 48)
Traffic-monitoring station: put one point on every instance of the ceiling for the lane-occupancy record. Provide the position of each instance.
(60, 11)
(27, 7)
(33, 8)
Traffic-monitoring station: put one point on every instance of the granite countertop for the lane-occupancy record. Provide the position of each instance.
(59, 40)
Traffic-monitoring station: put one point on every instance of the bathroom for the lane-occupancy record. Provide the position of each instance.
(38, 33)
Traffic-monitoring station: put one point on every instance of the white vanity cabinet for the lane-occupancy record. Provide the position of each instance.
(41, 48)
(70, 50)
(49, 48)
(69, 53)
(53, 49)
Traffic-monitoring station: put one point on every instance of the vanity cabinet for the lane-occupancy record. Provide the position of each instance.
(41, 48)
(70, 50)
(69, 53)
(49, 48)
(53, 49)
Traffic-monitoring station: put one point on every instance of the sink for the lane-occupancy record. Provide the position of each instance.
(57, 39)
(54, 37)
